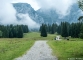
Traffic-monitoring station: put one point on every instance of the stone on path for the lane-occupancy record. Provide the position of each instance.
(39, 51)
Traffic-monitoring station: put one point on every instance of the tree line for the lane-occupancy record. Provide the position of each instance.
(65, 29)
(13, 31)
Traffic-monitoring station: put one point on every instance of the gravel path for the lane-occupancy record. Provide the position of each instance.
(39, 51)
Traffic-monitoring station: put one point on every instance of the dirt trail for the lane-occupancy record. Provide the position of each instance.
(39, 51)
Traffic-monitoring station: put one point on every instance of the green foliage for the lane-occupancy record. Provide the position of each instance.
(13, 31)
(1, 33)
(64, 30)
(80, 2)
(20, 32)
(59, 29)
(43, 30)
(81, 33)
(25, 28)
(50, 28)
(75, 30)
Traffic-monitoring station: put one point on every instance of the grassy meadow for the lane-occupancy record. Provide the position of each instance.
(11, 48)
(67, 50)
(36, 36)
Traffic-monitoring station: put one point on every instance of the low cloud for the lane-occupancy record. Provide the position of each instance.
(8, 15)
(61, 6)
(25, 19)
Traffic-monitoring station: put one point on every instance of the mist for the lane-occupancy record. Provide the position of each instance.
(8, 16)
(25, 19)
(61, 6)
(8, 13)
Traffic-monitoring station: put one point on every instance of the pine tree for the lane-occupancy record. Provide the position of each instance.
(53, 29)
(59, 29)
(64, 31)
(13, 31)
(10, 34)
(49, 28)
(27, 29)
(1, 34)
(81, 33)
(20, 32)
(43, 31)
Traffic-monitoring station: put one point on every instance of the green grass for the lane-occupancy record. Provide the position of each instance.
(62, 49)
(67, 49)
(76, 39)
(12, 48)
(36, 36)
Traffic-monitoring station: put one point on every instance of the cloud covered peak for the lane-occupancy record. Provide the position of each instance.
(61, 6)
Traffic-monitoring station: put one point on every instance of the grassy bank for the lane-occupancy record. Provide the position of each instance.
(67, 49)
(12, 48)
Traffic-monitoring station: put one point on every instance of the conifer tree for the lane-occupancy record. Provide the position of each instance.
(43, 31)
(20, 32)
(53, 29)
(1, 34)
(64, 31)
(81, 33)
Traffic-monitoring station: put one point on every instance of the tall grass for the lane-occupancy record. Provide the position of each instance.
(12, 48)
(67, 49)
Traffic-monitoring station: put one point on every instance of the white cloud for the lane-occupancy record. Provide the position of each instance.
(8, 15)
(27, 21)
(61, 6)
(7, 12)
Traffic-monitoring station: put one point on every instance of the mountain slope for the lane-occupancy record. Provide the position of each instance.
(25, 8)
(47, 15)
(52, 16)
(74, 14)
